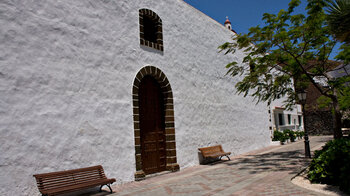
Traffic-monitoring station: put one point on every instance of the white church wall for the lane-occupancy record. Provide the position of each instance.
(66, 75)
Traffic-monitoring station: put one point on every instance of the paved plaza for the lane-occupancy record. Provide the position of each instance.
(266, 171)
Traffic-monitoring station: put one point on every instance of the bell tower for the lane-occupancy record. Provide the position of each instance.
(228, 23)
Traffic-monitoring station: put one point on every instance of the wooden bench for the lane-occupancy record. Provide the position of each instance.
(214, 152)
(72, 180)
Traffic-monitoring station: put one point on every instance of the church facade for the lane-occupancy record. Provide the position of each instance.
(134, 86)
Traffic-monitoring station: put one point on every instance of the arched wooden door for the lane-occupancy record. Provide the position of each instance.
(152, 126)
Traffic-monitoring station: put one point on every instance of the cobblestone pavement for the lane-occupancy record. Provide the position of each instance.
(263, 172)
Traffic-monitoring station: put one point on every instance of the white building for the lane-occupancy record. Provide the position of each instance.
(80, 82)
(282, 119)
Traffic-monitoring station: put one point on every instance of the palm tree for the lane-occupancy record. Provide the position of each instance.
(338, 19)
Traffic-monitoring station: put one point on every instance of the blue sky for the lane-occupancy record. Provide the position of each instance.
(243, 14)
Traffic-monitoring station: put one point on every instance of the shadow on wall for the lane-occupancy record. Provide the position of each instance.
(149, 49)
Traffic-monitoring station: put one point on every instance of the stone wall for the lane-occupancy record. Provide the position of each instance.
(319, 123)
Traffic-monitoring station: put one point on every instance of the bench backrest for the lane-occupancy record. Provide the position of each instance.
(59, 179)
(211, 150)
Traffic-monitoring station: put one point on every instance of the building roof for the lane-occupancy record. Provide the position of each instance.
(227, 21)
(340, 71)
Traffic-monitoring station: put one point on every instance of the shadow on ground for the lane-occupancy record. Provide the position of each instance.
(292, 161)
(89, 192)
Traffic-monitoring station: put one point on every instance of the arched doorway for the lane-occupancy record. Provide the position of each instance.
(154, 126)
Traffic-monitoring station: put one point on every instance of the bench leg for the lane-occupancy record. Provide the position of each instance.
(109, 186)
(226, 156)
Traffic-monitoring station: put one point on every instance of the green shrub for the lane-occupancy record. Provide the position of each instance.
(300, 134)
(277, 136)
(290, 134)
(331, 165)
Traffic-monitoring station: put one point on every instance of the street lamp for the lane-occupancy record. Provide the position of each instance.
(302, 100)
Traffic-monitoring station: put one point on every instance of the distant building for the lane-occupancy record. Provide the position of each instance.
(287, 119)
(319, 121)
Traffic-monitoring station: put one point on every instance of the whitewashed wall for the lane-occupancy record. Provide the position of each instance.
(66, 74)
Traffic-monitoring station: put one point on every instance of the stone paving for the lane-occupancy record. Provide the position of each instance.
(263, 172)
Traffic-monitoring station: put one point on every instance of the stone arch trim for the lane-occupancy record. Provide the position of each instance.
(149, 13)
(171, 159)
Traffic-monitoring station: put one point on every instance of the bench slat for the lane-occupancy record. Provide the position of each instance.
(213, 151)
(76, 187)
(62, 174)
(71, 180)
(63, 183)
(67, 172)
(57, 186)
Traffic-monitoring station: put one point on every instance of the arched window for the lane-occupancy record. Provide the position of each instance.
(151, 33)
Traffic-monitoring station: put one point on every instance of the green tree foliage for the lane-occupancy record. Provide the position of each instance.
(344, 53)
(338, 19)
(343, 95)
(290, 52)
(344, 100)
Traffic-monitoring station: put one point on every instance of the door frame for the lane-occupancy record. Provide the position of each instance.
(160, 77)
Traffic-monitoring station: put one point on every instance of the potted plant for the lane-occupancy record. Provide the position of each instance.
(292, 136)
(302, 134)
(283, 138)
(279, 136)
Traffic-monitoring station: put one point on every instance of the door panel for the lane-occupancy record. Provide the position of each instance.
(152, 126)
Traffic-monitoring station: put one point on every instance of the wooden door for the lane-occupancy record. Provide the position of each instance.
(152, 126)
